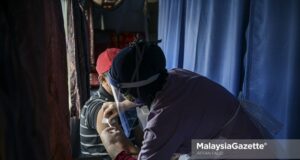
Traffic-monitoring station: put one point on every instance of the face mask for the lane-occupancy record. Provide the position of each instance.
(142, 114)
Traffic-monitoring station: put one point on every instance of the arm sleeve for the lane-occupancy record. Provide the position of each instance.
(124, 156)
(162, 136)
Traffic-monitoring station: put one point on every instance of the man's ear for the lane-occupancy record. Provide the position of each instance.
(106, 80)
(101, 79)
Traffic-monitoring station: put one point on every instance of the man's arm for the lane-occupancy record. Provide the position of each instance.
(110, 108)
(115, 143)
(116, 138)
(99, 125)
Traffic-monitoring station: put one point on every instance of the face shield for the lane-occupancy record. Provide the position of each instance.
(122, 90)
(117, 87)
(126, 115)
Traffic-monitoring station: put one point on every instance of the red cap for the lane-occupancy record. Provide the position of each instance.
(105, 60)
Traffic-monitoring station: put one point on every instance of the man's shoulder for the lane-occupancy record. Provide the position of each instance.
(91, 105)
(94, 100)
(90, 110)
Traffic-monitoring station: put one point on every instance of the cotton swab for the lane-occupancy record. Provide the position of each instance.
(106, 121)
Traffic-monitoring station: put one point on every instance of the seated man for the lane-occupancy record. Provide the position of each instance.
(90, 116)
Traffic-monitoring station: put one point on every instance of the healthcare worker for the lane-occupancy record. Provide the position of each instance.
(183, 106)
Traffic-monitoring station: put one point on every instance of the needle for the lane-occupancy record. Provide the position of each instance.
(109, 124)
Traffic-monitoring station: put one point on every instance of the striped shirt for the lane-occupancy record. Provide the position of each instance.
(90, 141)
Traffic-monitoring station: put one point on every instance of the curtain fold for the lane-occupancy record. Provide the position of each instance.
(272, 42)
(77, 56)
(33, 82)
(169, 20)
(294, 77)
(214, 40)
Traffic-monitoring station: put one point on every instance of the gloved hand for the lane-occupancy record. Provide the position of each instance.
(110, 110)
(115, 142)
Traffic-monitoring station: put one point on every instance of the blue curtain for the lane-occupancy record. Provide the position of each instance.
(272, 42)
(249, 47)
(170, 17)
(214, 40)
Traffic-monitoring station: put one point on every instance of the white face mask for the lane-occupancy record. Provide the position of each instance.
(142, 113)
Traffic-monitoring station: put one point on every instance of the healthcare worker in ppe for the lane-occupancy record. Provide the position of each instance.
(183, 106)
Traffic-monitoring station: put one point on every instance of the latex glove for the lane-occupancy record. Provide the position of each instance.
(110, 111)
